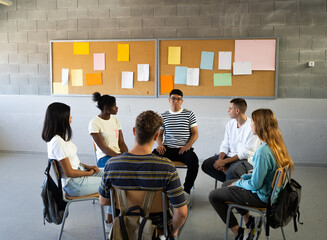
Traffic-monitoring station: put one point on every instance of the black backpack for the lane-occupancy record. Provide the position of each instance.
(53, 203)
(286, 207)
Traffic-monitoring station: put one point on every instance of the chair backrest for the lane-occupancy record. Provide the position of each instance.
(279, 180)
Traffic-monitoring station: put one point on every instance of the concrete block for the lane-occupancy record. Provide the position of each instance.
(37, 37)
(313, 55)
(273, 19)
(236, 32)
(313, 31)
(313, 6)
(37, 58)
(44, 69)
(9, 90)
(261, 7)
(305, 43)
(17, 15)
(57, 14)
(153, 22)
(110, 23)
(223, 21)
(3, 37)
(319, 18)
(198, 33)
(176, 22)
(78, 13)
(36, 15)
(282, 68)
(202, 1)
(46, 4)
(188, 10)
(39, 80)
(319, 68)
(285, 31)
(87, 24)
(19, 79)
(108, 3)
(165, 11)
(28, 90)
(319, 43)
(8, 48)
(247, 20)
(292, 43)
(46, 25)
(4, 79)
(27, 48)
(27, 26)
(120, 12)
(8, 26)
(130, 23)
(66, 4)
(88, 3)
(211, 9)
(281, 93)
(26, 4)
(297, 92)
(286, 6)
(20, 58)
(319, 93)
(142, 11)
(130, 2)
(3, 16)
(8, 68)
(282, 43)
(289, 56)
(75, 35)
(165, 33)
(312, 81)
(120, 34)
(143, 33)
(98, 12)
(68, 25)
(28, 68)
(43, 48)
(238, 8)
(99, 34)
(58, 35)
(201, 21)
(260, 31)
(177, 2)
(17, 37)
(296, 68)
(303, 19)
(4, 58)
(157, 2)
(288, 81)
(44, 90)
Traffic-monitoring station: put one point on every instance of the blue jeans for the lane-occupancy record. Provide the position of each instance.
(102, 161)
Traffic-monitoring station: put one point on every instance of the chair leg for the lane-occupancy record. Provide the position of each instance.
(282, 229)
(102, 221)
(63, 221)
(227, 221)
(215, 183)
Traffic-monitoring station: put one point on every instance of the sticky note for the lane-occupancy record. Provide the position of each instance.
(225, 61)
(193, 75)
(93, 79)
(127, 80)
(99, 61)
(123, 52)
(81, 48)
(242, 68)
(77, 77)
(180, 75)
(143, 72)
(64, 76)
(166, 83)
(174, 55)
(222, 79)
(207, 60)
(58, 88)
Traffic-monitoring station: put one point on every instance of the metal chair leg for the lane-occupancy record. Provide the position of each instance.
(103, 227)
(63, 221)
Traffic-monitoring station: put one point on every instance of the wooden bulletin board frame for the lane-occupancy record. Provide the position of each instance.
(141, 51)
(261, 84)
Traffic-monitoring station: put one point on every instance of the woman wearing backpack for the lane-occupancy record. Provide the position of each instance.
(254, 189)
(79, 179)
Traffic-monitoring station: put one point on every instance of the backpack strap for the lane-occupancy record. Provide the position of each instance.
(123, 227)
(140, 232)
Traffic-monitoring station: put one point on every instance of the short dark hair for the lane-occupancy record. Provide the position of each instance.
(240, 103)
(147, 125)
(56, 122)
(104, 100)
(177, 92)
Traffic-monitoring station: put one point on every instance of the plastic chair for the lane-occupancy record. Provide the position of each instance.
(278, 181)
(70, 200)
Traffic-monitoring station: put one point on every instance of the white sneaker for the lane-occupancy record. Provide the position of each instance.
(108, 226)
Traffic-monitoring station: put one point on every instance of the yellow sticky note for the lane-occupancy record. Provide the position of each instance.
(174, 55)
(166, 83)
(123, 52)
(58, 88)
(81, 48)
(93, 79)
(77, 77)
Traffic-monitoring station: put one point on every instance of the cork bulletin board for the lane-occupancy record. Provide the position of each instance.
(79, 63)
(258, 84)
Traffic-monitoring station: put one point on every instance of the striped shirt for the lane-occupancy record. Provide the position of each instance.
(143, 172)
(177, 127)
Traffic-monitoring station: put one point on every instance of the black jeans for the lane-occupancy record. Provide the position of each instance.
(189, 158)
(238, 195)
(235, 169)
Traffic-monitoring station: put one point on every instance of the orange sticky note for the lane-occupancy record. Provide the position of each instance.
(93, 79)
(166, 83)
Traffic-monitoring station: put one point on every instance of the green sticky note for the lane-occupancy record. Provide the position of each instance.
(222, 79)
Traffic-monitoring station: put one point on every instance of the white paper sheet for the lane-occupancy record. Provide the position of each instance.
(143, 72)
(225, 61)
(242, 68)
(127, 80)
(193, 76)
(64, 76)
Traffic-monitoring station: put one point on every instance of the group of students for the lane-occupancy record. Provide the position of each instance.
(175, 131)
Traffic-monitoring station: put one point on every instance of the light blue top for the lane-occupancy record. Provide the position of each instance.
(264, 168)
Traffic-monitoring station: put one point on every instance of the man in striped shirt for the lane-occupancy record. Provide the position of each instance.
(180, 131)
(139, 169)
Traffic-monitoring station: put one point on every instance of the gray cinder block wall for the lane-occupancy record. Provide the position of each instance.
(27, 26)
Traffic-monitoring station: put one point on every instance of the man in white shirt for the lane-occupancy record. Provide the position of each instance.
(237, 148)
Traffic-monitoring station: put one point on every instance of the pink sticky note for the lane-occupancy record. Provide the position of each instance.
(99, 61)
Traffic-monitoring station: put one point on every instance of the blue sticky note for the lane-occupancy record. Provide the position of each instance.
(180, 75)
(207, 60)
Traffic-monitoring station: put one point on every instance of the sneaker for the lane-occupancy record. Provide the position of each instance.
(257, 228)
(243, 234)
(108, 226)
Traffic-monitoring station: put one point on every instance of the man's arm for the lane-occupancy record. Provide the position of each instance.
(160, 148)
(194, 136)
(104, 201)
(179, 217)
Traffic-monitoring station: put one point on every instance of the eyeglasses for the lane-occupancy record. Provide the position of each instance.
(176, 99)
